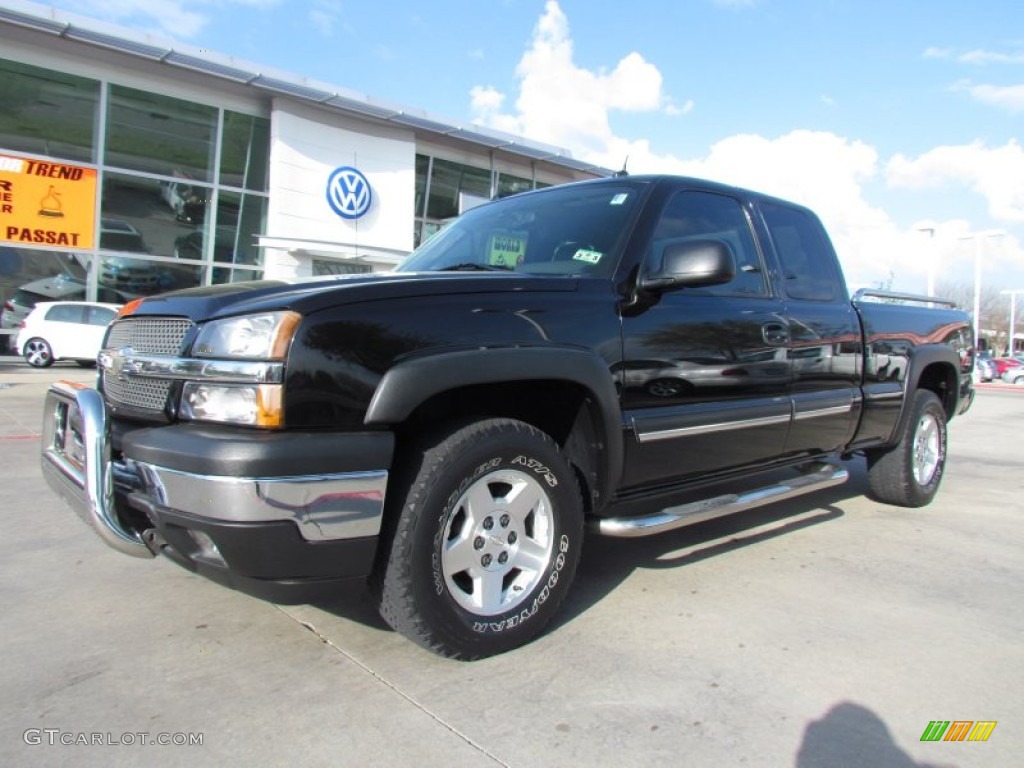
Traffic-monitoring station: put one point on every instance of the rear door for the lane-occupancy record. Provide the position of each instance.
(62, 329)
(706, 373)
(825, 335)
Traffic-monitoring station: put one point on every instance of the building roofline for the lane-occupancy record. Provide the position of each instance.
(43, 18)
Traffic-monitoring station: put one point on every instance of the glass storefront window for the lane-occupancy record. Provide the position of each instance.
(159, 134)
(450, 180)
(139, 216)
(158, 228)
(240, 218)
(148, 216)
(422, 168)
(29, 276)
(47, 113)
(223, 275)
(245, 151)
(134, 278)
(512, 185)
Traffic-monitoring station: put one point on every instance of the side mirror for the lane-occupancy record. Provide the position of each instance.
(691, 264)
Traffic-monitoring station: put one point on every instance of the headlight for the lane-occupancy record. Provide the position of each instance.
(264, 336)
(254, 405)
(231, 395)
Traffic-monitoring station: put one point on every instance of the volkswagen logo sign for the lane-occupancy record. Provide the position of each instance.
(348, 193)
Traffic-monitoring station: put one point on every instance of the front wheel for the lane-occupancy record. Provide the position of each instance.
(484, 537)
(909, 473)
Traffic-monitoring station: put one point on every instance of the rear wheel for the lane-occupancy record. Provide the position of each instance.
(909, 473)
(38, 353)
(486, 528)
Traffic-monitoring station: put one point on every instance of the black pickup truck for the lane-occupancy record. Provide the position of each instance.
(630, 354)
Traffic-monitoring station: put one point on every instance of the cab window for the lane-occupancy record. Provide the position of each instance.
(808, 264)
(691, 215)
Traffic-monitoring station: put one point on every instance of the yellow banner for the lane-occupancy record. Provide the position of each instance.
(46, 203)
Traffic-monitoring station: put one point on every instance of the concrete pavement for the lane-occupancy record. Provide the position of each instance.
(826, 631)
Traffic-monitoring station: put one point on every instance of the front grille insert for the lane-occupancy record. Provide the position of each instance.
(149, 336)
(143, 336)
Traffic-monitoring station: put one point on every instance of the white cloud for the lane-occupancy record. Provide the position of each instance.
(977, 56)
(486, 100)
(564, 104)
(672, 109)
(825, 172)
(995, 173)
(1009, 97)
(991, 57)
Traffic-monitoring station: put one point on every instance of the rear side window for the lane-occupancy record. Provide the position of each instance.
(808, 264)
(65, 313)
(693, 215)
(99, 315)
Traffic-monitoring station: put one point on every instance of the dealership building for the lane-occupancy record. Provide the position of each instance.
(129, 167)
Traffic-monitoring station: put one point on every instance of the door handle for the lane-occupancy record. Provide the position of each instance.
(776, 334)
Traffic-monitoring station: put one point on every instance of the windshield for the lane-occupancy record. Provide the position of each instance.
(577, 229)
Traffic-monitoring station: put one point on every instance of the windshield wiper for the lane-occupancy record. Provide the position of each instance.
(469, 266)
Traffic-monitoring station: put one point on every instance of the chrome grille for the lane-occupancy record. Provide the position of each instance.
(140, 394)
(146, 336)
(155, 336)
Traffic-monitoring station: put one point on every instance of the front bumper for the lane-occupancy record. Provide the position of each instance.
(211, 500)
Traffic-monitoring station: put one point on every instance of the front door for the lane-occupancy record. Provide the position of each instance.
(706, 372)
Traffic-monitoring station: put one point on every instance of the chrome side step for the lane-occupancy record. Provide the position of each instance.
(816, 477)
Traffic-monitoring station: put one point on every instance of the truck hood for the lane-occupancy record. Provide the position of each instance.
(309, 295)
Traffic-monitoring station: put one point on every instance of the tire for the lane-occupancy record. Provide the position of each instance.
(483, 537)
(909, 473)
(668, 388)
(38, 353)
(1018, 380)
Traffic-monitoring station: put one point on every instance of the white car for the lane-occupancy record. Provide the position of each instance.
(64, 330)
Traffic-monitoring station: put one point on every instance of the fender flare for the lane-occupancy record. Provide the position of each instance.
(920, 359)
(412, 382)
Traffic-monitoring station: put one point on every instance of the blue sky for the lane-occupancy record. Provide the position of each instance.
(883, 116)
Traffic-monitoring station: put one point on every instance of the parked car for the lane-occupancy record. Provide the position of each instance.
(1014, 375)
(117, 235)
(59, 287)
(184, 200)
(986, 369)
(64, 330)
(1003, 364)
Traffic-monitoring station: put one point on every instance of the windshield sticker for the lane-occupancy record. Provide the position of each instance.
(587, 255)
(507, 249)
(620, 198)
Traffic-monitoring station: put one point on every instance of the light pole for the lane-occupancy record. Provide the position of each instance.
(977, 237)
(1013, 309)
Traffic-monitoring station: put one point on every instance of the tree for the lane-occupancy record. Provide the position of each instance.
(993, 309)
